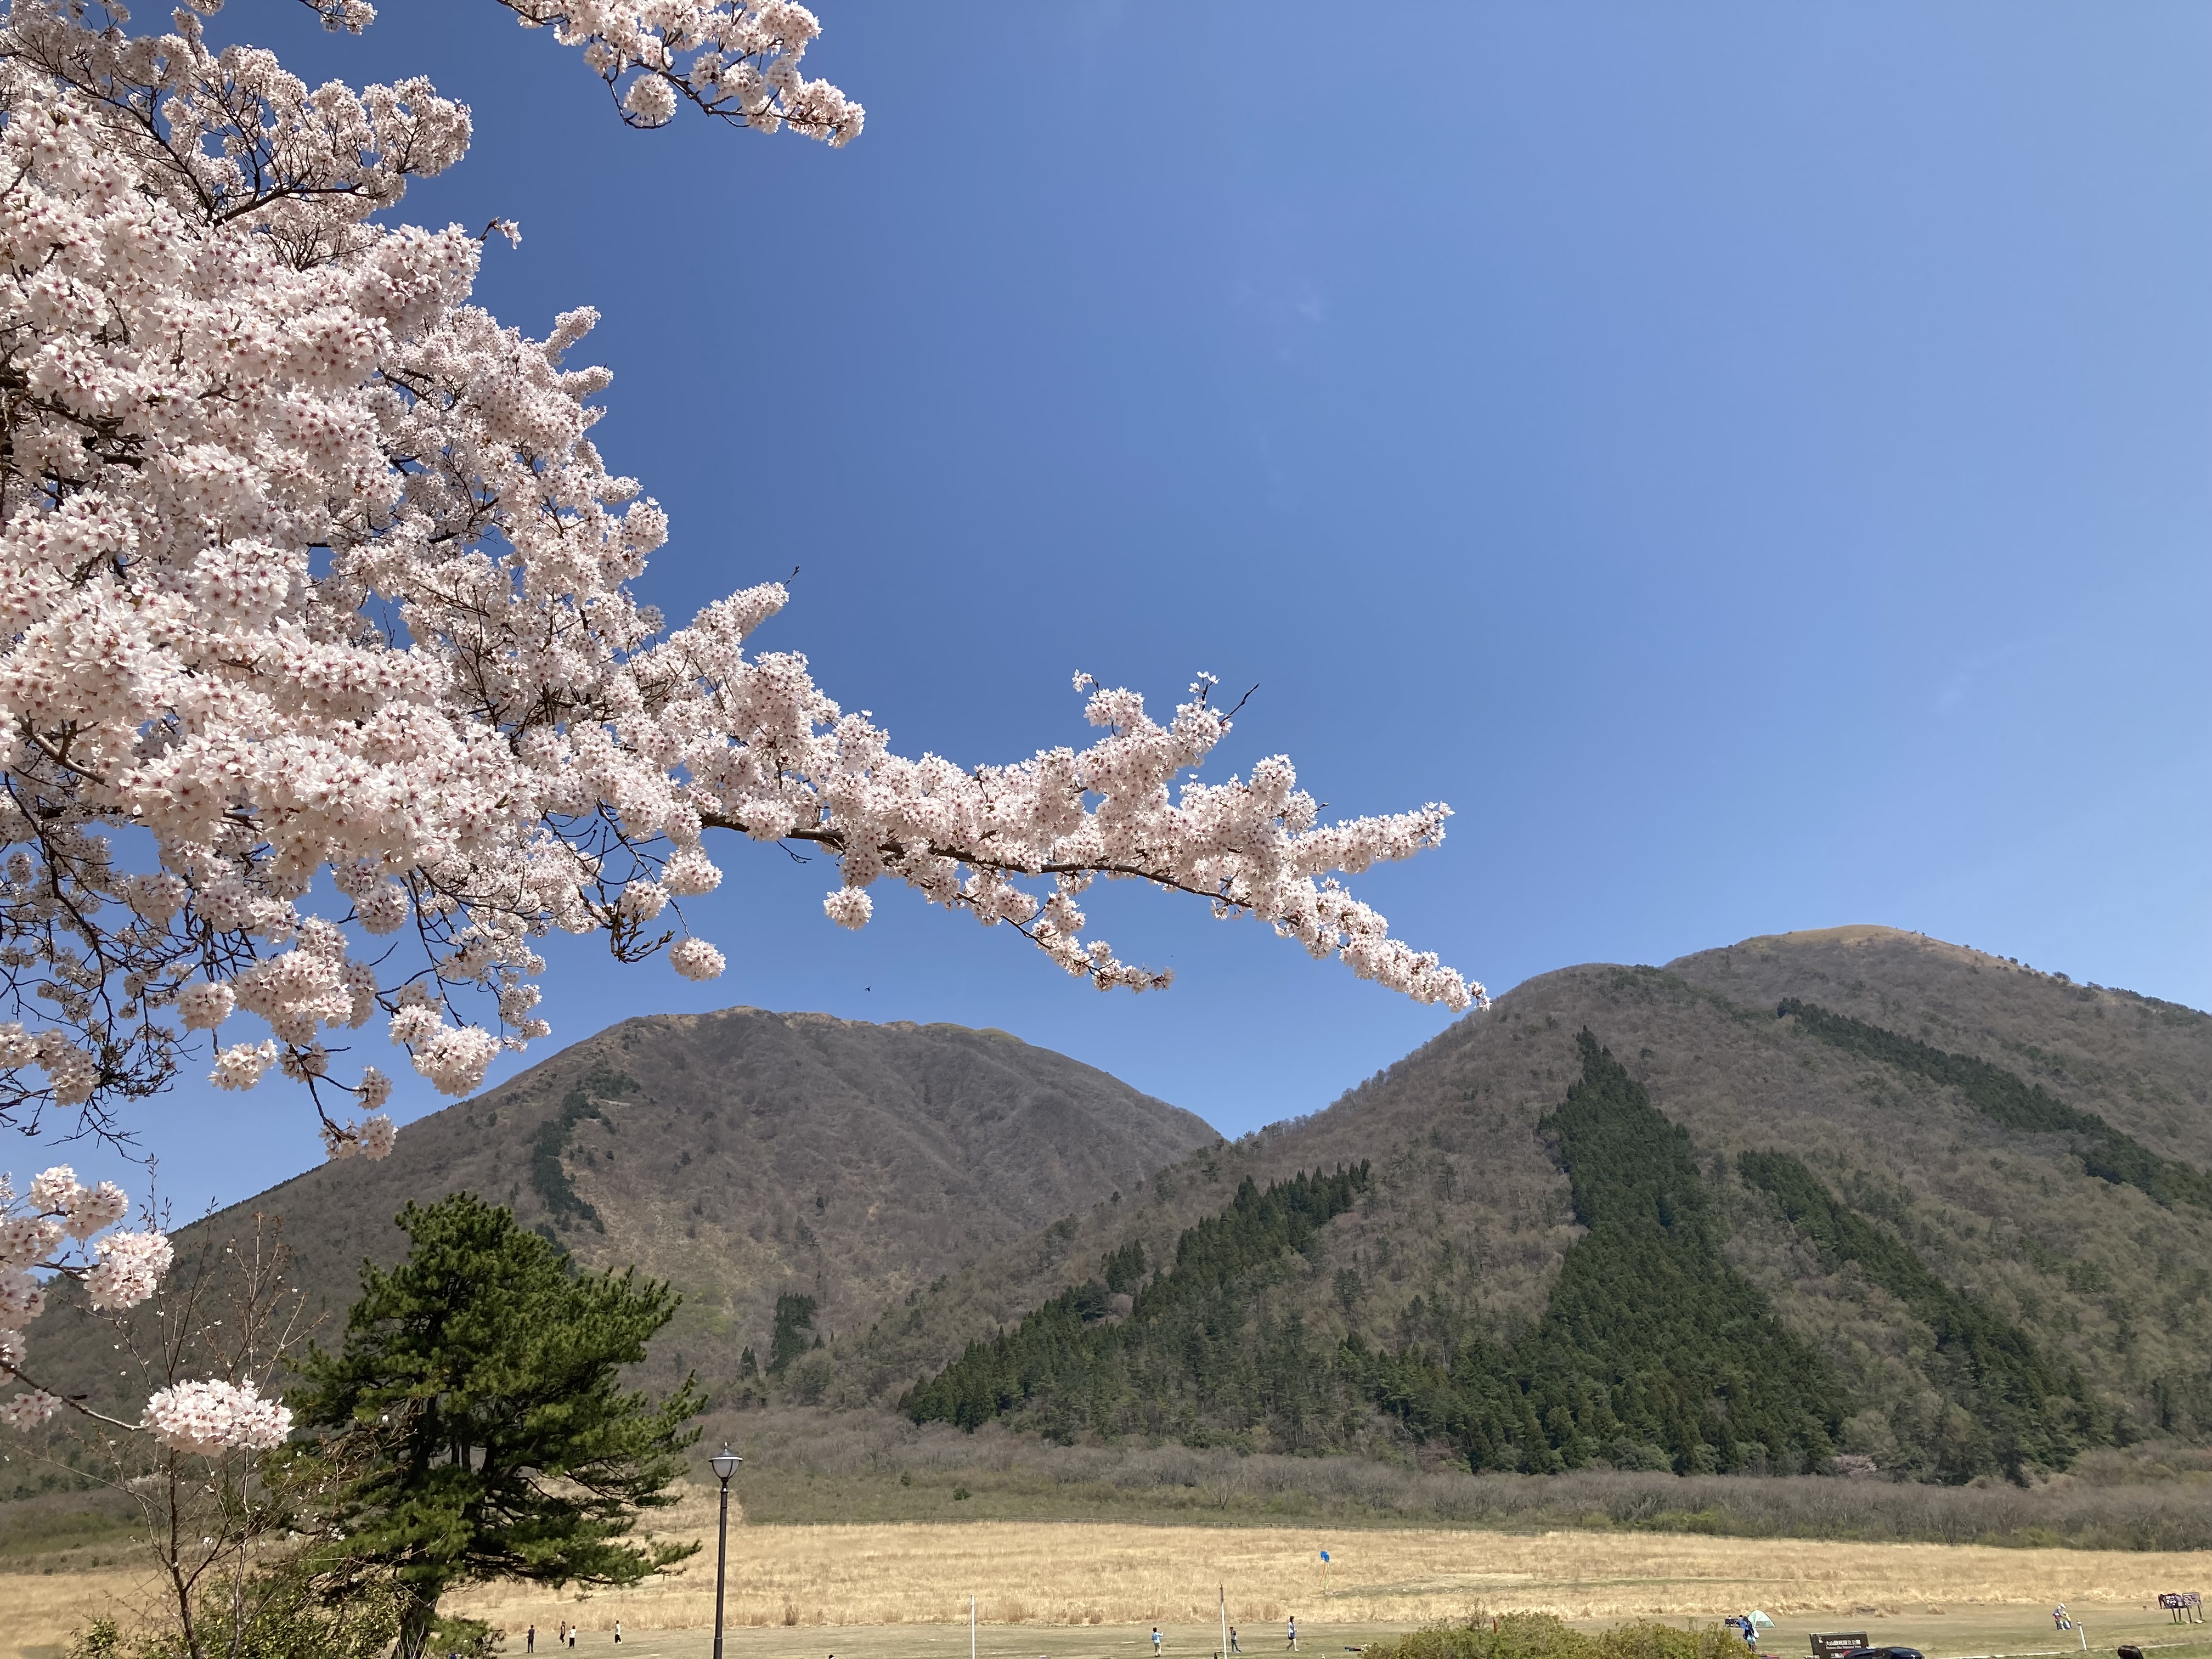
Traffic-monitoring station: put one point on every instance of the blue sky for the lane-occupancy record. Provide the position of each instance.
(1752, 461)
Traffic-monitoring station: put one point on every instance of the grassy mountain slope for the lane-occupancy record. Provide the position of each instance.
(747, 1157)
(1460, 1234)
(2145, 1064)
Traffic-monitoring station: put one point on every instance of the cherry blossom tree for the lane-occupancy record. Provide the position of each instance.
(327, 690)
(215, 1504)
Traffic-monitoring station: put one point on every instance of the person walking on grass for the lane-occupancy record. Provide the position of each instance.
(617, 1632)
(1293, 1643)
(1233, 1648)
(1156, 1642)
(530, 1640)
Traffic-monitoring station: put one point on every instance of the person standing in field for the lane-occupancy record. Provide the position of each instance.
(1156, 1642)
(1233, 1648)
(617, 1632)
(1293, 1628)
(530, 1640)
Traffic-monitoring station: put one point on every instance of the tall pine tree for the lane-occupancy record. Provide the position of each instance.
(477, 1409)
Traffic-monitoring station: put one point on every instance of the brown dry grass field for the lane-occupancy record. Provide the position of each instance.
(1092, 1590)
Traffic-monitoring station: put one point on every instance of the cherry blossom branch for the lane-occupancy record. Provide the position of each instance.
(738, 60)
(62, 1227)
(310, 570)
(44, 1402)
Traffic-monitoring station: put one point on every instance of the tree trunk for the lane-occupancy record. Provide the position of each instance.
(414, 1626)
(182, 1587)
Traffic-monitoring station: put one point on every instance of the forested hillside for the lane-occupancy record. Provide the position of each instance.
(1856, 1194)
(1938, 1214)
(2012, 1103)
(1653, 1353)
(1190, 1352)
(788, 1173)
(2021, 1408)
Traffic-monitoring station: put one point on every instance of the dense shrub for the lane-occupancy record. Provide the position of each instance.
(824, 1466)
(1540, 1635)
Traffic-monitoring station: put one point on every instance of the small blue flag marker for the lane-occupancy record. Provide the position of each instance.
(1324, 1555)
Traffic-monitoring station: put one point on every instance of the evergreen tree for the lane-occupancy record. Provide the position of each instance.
(795, 1323)
(476, 1406)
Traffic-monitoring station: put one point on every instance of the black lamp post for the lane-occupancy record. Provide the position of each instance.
(725, 1464)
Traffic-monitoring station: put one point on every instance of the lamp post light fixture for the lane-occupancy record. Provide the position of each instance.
(725, 1464)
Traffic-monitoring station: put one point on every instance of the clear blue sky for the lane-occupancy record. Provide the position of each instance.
(1752, 461)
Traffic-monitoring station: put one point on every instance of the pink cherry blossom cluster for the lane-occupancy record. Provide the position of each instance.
(738, 59)
(351, 16)
(61, 1225)
(129, 1268)
(119, 1271)
(213, 1416)
(309, 567)
(27, 1410)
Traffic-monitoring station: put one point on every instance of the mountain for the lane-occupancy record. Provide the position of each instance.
(761, 1162)
(1854, 1193)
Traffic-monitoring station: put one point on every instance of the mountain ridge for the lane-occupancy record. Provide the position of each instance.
(746, 1156)
(855, 1205)
(1471, 1213)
